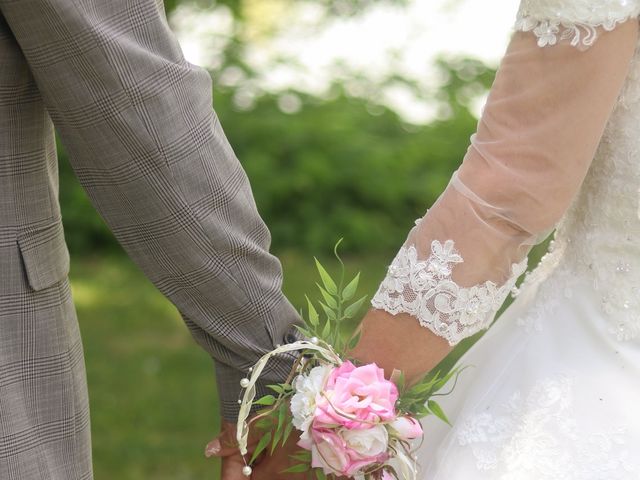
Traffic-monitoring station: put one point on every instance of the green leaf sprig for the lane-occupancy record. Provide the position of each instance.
(411, 400)
(337, 305)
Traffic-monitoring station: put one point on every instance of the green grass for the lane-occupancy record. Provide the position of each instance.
(152, 392)
(152, 389)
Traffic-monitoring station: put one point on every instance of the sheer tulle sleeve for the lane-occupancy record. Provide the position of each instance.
(536, 138)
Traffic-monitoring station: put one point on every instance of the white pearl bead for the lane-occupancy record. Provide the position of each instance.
(246, 471)
(314, 340)
(244, 383)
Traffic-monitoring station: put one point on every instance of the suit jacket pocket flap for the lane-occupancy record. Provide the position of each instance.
(45, 255)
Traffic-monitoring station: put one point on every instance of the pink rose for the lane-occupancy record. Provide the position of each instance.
(360, 393)
(346, 452)
(328, 451)
(387, 476)
(406, 427)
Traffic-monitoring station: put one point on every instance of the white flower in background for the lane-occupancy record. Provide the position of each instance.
(369, 442)
(303, 402)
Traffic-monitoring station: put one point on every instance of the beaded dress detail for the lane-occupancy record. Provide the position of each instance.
(599, 237)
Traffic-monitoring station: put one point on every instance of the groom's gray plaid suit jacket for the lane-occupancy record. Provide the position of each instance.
(137, 121)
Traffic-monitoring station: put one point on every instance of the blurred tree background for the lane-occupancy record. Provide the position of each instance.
(323, 167)
(341, 163)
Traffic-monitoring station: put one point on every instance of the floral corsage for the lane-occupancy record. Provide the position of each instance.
(351, 421)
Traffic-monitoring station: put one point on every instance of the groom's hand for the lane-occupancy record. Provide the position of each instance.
(271, 467)
(267, 467)
(225, 447)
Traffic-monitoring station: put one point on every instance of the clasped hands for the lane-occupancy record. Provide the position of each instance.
(391, 341)
(266, 467)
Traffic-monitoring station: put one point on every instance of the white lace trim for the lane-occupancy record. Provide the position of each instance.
(577, 21)
(424, 289)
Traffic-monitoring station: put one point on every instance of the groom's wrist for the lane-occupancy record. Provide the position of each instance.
(230, 391)
(228, 379)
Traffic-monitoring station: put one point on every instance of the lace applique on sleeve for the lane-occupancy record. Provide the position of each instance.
(538, 133)
(424, 289)
(575, 21)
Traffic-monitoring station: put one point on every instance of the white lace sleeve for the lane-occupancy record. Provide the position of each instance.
(535, 141)
(424, 289)
(577, 21)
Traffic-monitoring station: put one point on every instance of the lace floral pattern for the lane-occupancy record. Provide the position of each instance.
(424, 289)
(553, 286)
(599, 236)
(576, 21)
(536, 435)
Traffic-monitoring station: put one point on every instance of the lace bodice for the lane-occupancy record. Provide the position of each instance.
(599, 237)
(576, 21)
(536, 434)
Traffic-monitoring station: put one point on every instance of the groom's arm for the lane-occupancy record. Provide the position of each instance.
(137, 121)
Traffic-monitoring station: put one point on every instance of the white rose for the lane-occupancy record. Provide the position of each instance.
(303, 402)
(370, 442)
(406, 428)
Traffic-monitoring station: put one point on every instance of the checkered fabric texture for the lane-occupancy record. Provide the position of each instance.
(137, 121)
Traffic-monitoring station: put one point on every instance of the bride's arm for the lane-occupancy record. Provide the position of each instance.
(537, 136)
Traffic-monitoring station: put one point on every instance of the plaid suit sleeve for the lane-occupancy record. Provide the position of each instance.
(137, 121)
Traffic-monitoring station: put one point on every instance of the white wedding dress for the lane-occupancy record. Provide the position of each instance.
(554, 391)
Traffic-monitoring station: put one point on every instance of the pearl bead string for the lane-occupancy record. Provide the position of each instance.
(244, 383)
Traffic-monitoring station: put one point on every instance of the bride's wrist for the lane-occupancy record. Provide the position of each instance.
(399, 342)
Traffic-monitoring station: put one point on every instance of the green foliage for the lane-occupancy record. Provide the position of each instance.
(333, 329)
(353, 7)
(332, 7)
(276, 420)
(334, 169)
(412, 399)
(339, 166)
